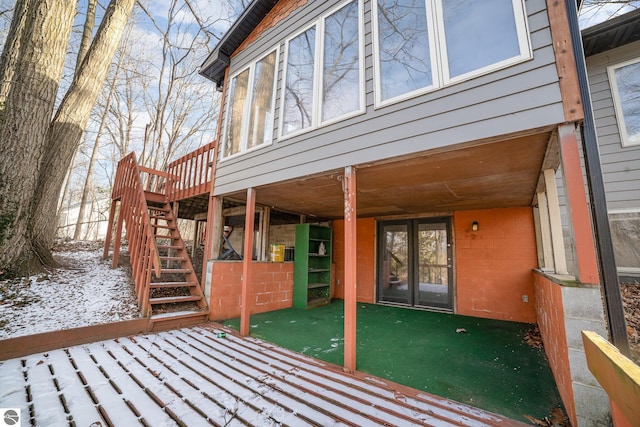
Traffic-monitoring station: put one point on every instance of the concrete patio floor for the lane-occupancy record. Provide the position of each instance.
(488, 366)
(193, 376)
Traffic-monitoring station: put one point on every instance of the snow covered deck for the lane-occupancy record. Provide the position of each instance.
(193, 377)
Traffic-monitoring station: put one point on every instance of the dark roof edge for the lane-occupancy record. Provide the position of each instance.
(611, 25)
(218, 60)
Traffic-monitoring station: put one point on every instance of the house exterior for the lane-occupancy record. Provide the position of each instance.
(612, 51)
(434, 138)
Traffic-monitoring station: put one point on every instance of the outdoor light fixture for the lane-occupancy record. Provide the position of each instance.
(474, 226)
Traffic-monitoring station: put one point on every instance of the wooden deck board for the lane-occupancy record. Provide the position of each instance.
(192, 376)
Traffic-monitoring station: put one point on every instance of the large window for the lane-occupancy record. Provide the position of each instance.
(625, 88)
(425, 44)
(324, 72)
(250, 106)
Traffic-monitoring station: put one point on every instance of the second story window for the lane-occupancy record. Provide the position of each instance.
(625, 87)
(250, 107)
(426, 44)
(324, 72)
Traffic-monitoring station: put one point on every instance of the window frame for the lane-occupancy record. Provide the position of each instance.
(438, 52)
(246, 114)
(634, 210)
(617, 105)
(318, 70)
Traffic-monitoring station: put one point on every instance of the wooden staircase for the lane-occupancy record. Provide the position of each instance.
(166, 284)
(175, 296)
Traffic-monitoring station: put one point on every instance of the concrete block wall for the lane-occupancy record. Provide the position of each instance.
(271, 288)
(563, 312)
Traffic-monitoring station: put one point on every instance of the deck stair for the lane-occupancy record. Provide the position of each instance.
(167, 287)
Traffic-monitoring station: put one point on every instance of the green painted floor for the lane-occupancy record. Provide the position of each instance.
(490, 366)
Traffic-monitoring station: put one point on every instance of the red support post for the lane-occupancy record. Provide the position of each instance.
(107, 239)
(350, 262)
(577, 206)
(247, 261)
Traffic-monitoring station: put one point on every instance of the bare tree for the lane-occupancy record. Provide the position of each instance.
(38, 150)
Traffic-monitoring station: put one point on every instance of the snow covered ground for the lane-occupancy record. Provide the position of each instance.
(84, 291)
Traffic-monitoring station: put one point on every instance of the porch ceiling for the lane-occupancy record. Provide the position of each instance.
(491, 175)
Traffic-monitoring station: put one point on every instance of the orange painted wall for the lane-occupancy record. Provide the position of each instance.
(366, 235)
(493, 264)
(550, 309)
(271, 288)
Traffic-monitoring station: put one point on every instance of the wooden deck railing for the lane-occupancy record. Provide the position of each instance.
(191, 173)
(129, 189)
(618, 375)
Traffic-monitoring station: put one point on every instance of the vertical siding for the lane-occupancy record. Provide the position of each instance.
(521, 97)
(620, 165)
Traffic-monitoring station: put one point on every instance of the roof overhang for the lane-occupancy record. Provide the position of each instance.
(219, 59)
(612, 33)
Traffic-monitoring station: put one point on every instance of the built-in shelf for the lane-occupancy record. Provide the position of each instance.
(312, 273)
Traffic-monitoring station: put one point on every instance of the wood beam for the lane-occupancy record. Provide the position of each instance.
(247, 262)
(118, 238)
(618, 375)
(565, 61)
(577, 207)
(350, 263)
(265, 220)
(215, 226)
(545, 232)
(107, 239)
(555, 221)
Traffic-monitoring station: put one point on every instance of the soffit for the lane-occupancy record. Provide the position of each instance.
(493, 175)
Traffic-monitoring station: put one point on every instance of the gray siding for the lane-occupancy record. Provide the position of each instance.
(620, 165)
(518, 98)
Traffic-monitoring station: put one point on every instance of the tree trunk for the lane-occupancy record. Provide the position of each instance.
(87, 32)
(94, 154)
(65, 131)
(37, 50)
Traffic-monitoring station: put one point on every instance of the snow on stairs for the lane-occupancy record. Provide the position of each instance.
(176, 297)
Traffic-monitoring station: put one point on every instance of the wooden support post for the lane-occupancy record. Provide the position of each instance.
(350, 262)
(194, 243)
(208, 244)
(545, 231)
(555, 221)
(247, 261)
(118, 237)
(577, 208)
(215, 227)
(265, 220)
(107, 239)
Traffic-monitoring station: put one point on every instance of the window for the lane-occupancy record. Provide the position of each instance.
(404, 47)
(625, 235)
(426, 44)
(298, 96)
(625, 89)
(250, 111)
(324, 72)
(341, 63)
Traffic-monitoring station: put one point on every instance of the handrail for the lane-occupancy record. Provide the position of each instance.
(129, 189)
(190, 175)
(618, 375)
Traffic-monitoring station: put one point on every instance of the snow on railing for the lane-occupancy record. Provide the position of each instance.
(128, 188)
(191, 174)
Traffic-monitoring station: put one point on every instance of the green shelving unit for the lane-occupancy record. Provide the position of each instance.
(311, 268)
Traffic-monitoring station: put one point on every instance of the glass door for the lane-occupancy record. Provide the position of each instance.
(434, 265)
(394, 259)
(415, 263)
